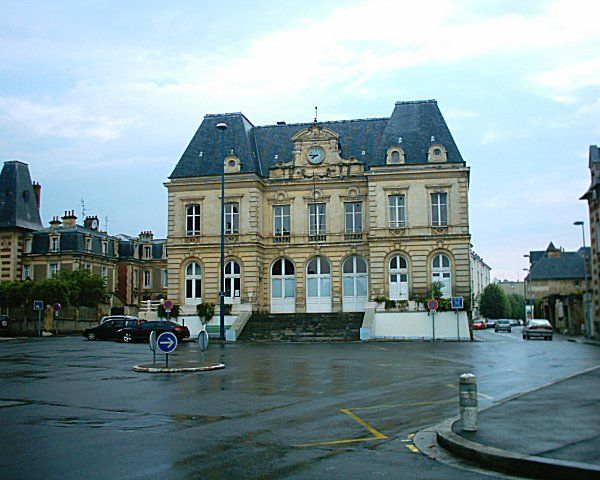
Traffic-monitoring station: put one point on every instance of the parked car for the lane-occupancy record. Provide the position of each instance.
(502, 325)
(141, 332)
(490, 323)
(4, 325)
(117, 317)
(111, 329)
(538, 328)
(513, 322)
(478, 325)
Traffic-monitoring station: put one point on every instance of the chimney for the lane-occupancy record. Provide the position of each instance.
(91, 222)
(69, 219)
(37, 190)
(146, 236)
(55, 222)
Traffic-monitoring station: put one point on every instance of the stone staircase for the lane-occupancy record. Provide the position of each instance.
(303, 327)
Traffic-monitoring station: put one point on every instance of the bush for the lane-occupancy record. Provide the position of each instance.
(389, 304)
(494, 304)
(380, 299)
(205, 311)
(402, 305)
(436, 289)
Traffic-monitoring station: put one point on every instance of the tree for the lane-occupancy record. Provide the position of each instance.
(494, 303)
(517, 306)
(89, 289)
(51, 291)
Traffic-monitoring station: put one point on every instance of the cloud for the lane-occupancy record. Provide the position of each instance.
(570, 77)
(68, 121)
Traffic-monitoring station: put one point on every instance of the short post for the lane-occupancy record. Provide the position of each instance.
(40, 323)
(433, 324)
(467, 394)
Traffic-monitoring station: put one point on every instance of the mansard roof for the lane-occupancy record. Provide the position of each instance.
(18, 206)
(415, 126)
(565, 265)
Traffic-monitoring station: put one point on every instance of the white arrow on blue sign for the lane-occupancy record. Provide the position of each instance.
(166, 342)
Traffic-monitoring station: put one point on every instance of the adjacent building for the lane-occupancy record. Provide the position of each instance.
(510, 287)
(556, 282)
(320, 216)
(480, 278)
(593, 198)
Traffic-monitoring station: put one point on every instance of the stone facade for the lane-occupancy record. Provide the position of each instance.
(593, 198)
(376, 226)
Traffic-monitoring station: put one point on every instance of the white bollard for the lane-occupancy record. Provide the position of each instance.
(467, 394)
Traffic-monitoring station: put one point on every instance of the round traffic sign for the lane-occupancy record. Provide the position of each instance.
(152, 340)
(203, 340)
(168, 305)
(433, 304)
(57, 307)
(166, 342)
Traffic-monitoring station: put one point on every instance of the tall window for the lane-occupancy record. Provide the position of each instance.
(26, 272)
(439, 209)
(192, 219)
(233, 281)
(28, 242)
(88, 244)
(147, 251)
(353, 213)
(193, 283)
(232, 218)
(281, 220)
(136, 278)
(316, 219)
(441, 271)
(54, 244)
(53, 269)
(104, 247)
(105, 272)
(395, 157)
(147, 279)
(397, 216)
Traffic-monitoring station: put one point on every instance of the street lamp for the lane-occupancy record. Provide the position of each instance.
(586, 299)
(222, 127)
(528, 289)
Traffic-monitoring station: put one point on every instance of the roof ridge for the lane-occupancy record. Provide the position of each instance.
(408, 102)
(368, 119)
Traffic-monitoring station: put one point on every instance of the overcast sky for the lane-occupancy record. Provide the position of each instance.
(101, 98)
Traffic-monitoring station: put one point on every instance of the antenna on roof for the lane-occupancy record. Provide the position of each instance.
(316, 114)
(106, 223)
(82, 208)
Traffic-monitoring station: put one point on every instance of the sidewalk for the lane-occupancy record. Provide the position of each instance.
(551, 432)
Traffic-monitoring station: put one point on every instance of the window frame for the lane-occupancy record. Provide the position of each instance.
(147, 279)
(439, 209)
(397, 211)
(53, 272)
(193, 217)
(233, 216)
(279, 220)
(318, 211)
(353, 214)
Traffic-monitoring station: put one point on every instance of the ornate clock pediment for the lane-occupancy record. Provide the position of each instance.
(315, 133)
(316, 146)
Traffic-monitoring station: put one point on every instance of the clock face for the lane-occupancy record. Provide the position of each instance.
(316, 155)
(94, 224)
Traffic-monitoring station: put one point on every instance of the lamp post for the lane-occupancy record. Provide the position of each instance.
(528, 290)
(589, 326)
(222, 127)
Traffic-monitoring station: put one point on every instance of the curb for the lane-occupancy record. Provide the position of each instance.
(512, 462)
(154, 369)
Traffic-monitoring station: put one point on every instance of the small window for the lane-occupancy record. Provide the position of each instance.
(53, 269)
(104, 247)
(192, 220)
(26, 272)
(105, 272)
(147, 279)
(147, 251)
(165, 278)
(316, 219)
(395, 156)
(281, 220)
(88, 244)
(88, 267)
(28, 243)
(54, 244)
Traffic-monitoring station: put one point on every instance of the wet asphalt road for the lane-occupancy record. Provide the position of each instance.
(70, 408)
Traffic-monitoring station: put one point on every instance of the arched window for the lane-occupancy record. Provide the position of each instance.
(441, 271)
(193, 283)
(318, 285)
(398, 278)
(283, 286)
(355, 281)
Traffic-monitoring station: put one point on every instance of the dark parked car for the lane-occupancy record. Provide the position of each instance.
(4, 325)
(110, 330)
(502, 325)
(141, 332)
(538, 328)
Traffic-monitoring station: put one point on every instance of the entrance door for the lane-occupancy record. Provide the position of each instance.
(283, 287)
(318, 285)
(355, 282)
(233, 283)
(398, 278)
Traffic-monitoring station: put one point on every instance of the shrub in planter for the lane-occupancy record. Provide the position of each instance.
(389, 304)
(205, 311)
(402, 305)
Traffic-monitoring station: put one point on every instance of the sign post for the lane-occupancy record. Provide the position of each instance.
(202, 343)
(168, 306)
(166, 343)
(152, 342)
(56, 307)
(457, 304)
(38, 305)
(433, 305)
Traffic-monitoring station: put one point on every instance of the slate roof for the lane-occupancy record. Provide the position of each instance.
(72, 239)
(594, 155)
(415, 122)
(126, 247)
(595, 169)
(18, 206)
(568, 265)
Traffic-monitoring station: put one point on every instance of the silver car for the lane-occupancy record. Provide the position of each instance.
(502, 325)
(538, 328)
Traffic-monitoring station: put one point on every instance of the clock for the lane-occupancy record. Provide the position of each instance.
(94, 224)
(316, 155)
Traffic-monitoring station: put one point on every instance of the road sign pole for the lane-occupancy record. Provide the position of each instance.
(433, 324)
(167, 360)
(40, 322)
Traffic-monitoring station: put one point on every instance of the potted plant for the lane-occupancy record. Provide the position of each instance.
(205, 311)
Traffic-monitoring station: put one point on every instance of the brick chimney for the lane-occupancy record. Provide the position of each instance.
(55, 222)
(69, 219)
(91, 222)
(146, 236)
(37, 190)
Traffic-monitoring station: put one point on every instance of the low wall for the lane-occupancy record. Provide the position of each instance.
(195, 326)
(60, 325)
(420, 326)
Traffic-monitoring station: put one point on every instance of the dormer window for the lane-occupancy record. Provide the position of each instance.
(54, 243)
(88, 244)
(28, 243)
(437, 153)
(232, 164)
(104, 247)
(395, 156)
(147, 251)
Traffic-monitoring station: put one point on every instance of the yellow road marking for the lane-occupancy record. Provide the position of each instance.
(410, 437)
(376, 434)
(412, 448)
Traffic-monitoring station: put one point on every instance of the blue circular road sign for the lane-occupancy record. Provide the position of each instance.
(166, 342)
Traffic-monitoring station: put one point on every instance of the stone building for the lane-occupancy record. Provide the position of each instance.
(593, 198)
(19, 216)
(480, 278)
(556, 281)
(321, 216)
(510, 287)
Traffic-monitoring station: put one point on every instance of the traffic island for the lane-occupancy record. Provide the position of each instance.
(179, 367)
